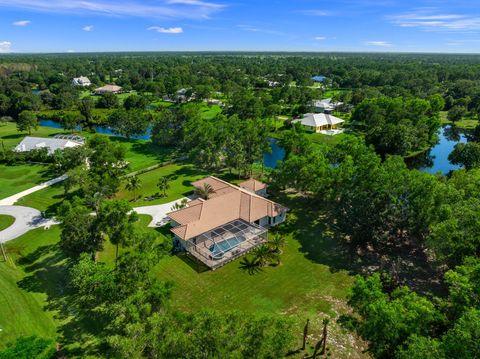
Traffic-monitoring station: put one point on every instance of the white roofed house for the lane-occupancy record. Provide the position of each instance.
(81, 81)
(324, 106)
(321, 123)
(51, 144)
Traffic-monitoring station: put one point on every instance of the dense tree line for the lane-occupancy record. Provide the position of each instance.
(378, 204)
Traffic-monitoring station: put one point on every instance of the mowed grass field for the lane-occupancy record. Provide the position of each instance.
(6, 221)
(23, 302)
(17, 178)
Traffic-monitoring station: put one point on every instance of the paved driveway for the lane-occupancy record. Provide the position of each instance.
(26, 219)
(158, 212)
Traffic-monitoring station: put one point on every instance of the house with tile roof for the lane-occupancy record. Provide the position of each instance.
(231, 222)
(108, 89)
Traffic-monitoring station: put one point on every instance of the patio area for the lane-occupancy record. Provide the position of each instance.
(226, 243)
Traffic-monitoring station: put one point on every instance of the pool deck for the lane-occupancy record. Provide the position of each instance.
(203, 254)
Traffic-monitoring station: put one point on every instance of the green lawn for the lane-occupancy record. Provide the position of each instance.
(17, 178)
(6, 221)
(46, 199)
(23, 304)
(312, 280)
(180, 177)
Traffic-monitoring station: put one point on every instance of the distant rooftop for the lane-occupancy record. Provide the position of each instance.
(319, 78)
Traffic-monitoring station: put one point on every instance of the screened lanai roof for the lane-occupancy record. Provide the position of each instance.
(222, 244)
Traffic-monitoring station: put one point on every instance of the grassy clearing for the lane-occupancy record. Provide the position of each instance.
(465, 123)
(23, 304)
(180, 177)
(20, 177)
(6, 221)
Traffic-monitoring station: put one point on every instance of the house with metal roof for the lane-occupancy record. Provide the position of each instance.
(321, 123)
(324, 106)
(51, 144)
(81, 81)
(231, 222)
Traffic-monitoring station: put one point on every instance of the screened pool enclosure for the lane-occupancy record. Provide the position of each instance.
(227, 242)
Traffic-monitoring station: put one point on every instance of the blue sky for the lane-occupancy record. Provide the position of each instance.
(257, 25)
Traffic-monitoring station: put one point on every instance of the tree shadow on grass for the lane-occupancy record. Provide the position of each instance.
(196, 265)
(47, 272)
(310, 224)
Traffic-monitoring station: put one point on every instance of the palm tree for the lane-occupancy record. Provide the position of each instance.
(205, 191)
(179, 205)
(250, 265)
(163, 185)
(133, 185)
(276, 243)
(262, 255)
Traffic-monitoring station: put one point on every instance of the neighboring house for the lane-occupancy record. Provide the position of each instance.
(325, 105)
(321, 123)
(255, 186)
(273, 83)
(51, 144)
(81, 81)
(230, 223)
(212, 101)
(108, 88)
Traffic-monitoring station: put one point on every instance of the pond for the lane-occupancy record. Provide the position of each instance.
(278, 154)
(436, 159)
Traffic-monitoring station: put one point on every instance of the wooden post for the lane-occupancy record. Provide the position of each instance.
(325, 323)
(305, 334)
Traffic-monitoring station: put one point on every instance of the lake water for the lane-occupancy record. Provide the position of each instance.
(436, 159)
(278, 153)
(433, 161)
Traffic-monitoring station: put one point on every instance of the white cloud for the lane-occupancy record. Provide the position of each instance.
(188, 9)
(88, 28)
(315, 12)
(21, 23)
(5, 47)
(431, 19)
(378, 43)
(71, 51)
(252, 28)
(320, 38)
(166, 30)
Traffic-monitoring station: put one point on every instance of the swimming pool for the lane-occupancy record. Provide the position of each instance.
(220, 248)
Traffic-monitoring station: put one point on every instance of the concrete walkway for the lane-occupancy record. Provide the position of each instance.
(158, 212)
(9, 201)
(26, 219)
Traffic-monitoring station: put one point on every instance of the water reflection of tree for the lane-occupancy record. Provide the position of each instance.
(422, 160)
(452, 133)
